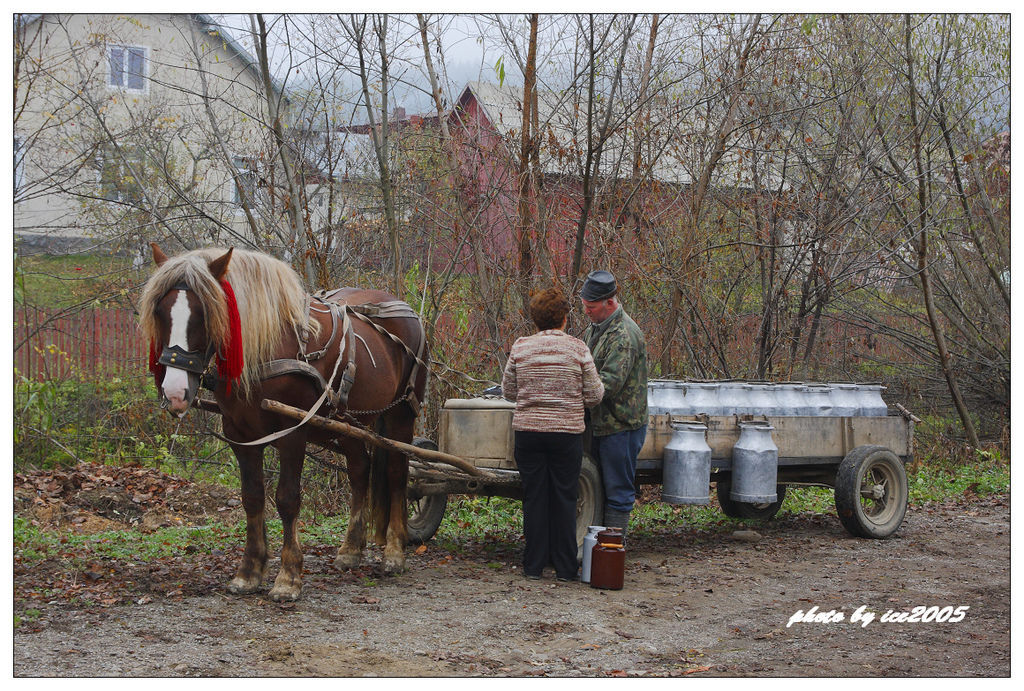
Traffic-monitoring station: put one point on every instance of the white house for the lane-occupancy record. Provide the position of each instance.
(129, 128)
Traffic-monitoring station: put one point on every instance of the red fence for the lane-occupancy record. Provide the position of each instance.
(52, 345)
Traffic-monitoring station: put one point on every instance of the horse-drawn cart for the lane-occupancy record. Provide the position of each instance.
(825, 437)
(242, 324)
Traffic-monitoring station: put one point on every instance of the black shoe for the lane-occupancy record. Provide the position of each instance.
(532, 577)
(568, 579)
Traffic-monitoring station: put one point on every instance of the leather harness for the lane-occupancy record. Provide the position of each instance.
(340, 312)
(197, 363)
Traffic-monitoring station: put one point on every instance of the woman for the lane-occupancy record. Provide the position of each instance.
(551, 377)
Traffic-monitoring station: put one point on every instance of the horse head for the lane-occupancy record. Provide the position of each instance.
(182, 343)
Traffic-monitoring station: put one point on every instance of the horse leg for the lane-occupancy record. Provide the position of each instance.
(291, 451)
(350, 554)
(400, 427)
(250, 572)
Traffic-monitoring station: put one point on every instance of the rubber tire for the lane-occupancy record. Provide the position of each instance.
(589, 499)
(870, 520)
(739, 509)
(426, 514)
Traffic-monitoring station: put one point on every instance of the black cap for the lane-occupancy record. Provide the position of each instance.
(600, 285)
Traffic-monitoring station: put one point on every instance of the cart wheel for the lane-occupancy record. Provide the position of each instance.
(425, 513)
(589, 500)
(739, 509)
(871, 492)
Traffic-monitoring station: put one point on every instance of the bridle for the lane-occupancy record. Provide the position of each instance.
(192, 361)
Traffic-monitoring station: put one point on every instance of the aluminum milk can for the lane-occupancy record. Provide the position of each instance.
(686, 466)
(789, 398)
(674, 397)
(755, 465)
(818, 400)
(701, 397)
(845, 399)
(732, 399)
(589, 540)
(761, 398)
(871, 400)
(657, 395)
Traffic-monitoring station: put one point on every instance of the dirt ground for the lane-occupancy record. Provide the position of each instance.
(705, 603)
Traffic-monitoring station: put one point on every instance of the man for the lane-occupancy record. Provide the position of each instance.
(619, 421)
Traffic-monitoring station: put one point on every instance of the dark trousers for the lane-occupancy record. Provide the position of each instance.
(549, 467)
(617, 454)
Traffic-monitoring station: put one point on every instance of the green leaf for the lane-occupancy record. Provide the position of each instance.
(499, 70)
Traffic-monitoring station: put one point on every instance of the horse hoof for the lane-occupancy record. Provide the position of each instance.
(393, 565)
(347, 561)
(240, 586)
(285, 593)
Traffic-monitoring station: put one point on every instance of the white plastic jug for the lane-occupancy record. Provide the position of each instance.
(589, 540)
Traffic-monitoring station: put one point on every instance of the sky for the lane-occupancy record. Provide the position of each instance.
(468, 56)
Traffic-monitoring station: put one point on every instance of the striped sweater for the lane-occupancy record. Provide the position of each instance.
(551, 376)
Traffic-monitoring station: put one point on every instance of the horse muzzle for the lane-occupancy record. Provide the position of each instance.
(176, 405)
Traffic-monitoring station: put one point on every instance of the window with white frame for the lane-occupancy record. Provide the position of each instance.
(245, 181)
(127, 67)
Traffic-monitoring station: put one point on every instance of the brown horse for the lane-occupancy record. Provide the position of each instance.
(273, 341)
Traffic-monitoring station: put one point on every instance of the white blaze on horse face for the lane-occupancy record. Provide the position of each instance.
(176, 380)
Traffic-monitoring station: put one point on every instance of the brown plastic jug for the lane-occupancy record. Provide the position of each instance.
(608, 561)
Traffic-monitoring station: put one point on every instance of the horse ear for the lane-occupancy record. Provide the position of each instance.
(158, 254)
(219, 266)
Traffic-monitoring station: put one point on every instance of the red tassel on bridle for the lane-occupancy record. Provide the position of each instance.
(230, 360)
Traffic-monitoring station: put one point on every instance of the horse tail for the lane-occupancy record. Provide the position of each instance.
(378, 495)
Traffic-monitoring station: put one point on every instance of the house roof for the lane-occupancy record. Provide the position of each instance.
(211, 27)
(672, 149)
(563, 133)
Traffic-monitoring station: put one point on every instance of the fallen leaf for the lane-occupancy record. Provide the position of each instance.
(694, 670)
(421, 549)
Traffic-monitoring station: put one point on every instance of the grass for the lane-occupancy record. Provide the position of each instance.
(26, 617)
(989, 476)
(32, 544)
(929, 483)
(59, 281)
(494, 521)
(487, 519)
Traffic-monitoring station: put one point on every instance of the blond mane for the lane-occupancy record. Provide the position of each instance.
(271, 301)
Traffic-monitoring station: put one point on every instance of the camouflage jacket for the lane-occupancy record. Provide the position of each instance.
(620, 354)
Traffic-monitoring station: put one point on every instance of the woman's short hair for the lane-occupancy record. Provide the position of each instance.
(548, 308)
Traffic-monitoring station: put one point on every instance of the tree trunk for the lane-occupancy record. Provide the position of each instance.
(527, 142)
(492, 307)
(379, 136)
(595, 146)
(945, 358)
(293, 205)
